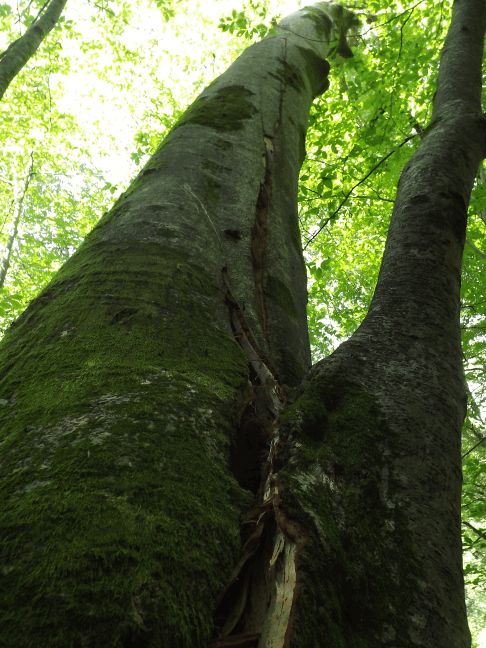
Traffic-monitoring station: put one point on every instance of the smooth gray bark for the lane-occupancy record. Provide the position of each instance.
(18, 53)
(158, 488)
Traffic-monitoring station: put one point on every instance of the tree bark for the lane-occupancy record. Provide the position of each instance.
(18, 53)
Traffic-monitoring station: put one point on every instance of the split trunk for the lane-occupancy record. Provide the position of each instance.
(174, 472)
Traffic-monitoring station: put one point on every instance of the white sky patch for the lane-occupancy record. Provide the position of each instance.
(482, 638)
(188, 52)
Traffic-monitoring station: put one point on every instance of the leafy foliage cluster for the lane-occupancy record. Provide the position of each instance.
(250, 23)
(361, 132)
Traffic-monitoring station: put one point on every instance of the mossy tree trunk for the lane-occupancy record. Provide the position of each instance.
(158, 487)
(129, 384)
(373, 468)
(18, 53)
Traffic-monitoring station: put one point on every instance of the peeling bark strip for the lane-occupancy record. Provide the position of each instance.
(13, 59)
(259, 233)
(256, 606)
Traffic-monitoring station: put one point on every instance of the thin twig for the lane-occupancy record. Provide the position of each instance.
(377, 197)
(402, 26)
(476, 249)
(474, 447)
(481, 534)
(360, 182)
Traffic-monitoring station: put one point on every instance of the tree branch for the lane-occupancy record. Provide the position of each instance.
(476, 249)
(473, 447)
(13, 59)
(355, 186)
(473, 528)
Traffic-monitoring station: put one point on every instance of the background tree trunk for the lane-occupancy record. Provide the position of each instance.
(13, 59)
(19, 194)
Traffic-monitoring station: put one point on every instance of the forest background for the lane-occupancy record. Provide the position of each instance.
(110, 80)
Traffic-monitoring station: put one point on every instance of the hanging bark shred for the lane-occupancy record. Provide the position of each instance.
(255, 609)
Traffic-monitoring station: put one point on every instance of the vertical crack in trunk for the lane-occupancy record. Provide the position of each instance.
(259, 233)
(255, 609)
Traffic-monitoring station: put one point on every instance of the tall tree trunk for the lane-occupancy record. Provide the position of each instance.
(373, 442)
(138, 391)
(17, 54)
(18, 205)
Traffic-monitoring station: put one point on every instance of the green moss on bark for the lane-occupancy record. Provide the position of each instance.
(337, 485)
(120, 518)
(225, 109)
